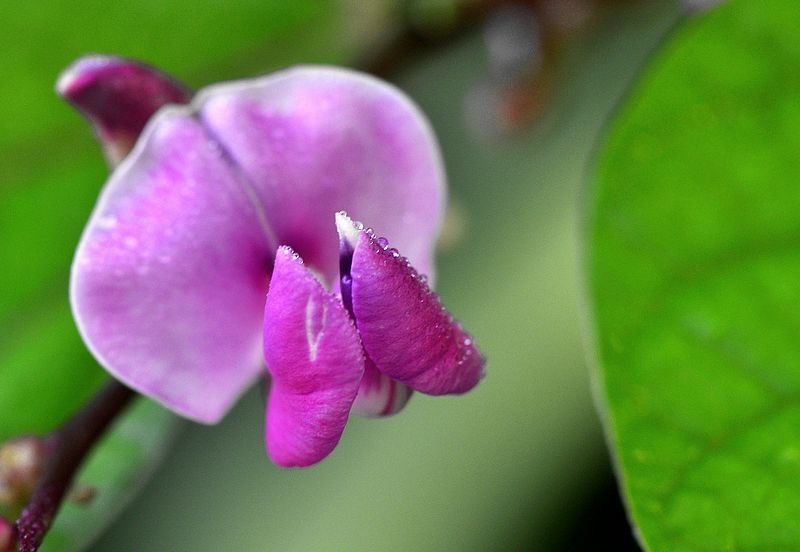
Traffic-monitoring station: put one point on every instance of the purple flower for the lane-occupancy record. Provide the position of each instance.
(238, 197)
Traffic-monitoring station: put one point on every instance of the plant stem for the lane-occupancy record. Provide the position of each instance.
(71, 444)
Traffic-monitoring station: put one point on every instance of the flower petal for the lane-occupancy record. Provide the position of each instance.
(169, 279)
(378, 394)
(118, 97)
(316, 140)
(316, 361)
(404, 328)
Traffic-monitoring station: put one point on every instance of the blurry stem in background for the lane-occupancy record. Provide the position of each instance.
(71, 444)
(411, 40)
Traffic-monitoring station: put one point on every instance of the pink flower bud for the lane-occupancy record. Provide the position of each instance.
(21, 464)
(118, 97)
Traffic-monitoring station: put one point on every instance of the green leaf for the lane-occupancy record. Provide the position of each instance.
(114, 472)
(693, 258)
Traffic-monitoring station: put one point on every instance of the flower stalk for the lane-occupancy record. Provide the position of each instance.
(71, 444)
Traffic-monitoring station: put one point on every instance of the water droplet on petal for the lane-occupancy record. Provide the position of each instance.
(107, 222)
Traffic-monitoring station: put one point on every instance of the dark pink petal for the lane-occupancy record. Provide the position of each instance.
(118, 97)
(316, 361)
(169, 279)
(378, 394)
(404, 328)
(317, 140)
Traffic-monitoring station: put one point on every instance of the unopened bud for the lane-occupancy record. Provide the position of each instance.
(118, 97)
(8, 535)
(21, 464)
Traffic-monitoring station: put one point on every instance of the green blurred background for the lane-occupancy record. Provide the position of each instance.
(520, 462)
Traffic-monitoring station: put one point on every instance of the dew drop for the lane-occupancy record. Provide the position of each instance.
(107, 222)
(384, 243)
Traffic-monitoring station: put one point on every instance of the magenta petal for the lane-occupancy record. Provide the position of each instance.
(378, 394)
(317, 140)
(404, 328)
(118, 97)
(169, 279)
(313, 353)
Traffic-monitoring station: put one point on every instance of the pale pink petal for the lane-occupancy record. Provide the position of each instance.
(404, 328)
(316, 362)
(118, 97)
(379, 395)
(317, 140)
(169, 279)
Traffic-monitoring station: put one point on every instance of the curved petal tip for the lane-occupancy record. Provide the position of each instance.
(118, 97)
(404, 328)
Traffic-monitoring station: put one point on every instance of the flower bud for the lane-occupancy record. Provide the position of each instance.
(21, 464)
(118, 97)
